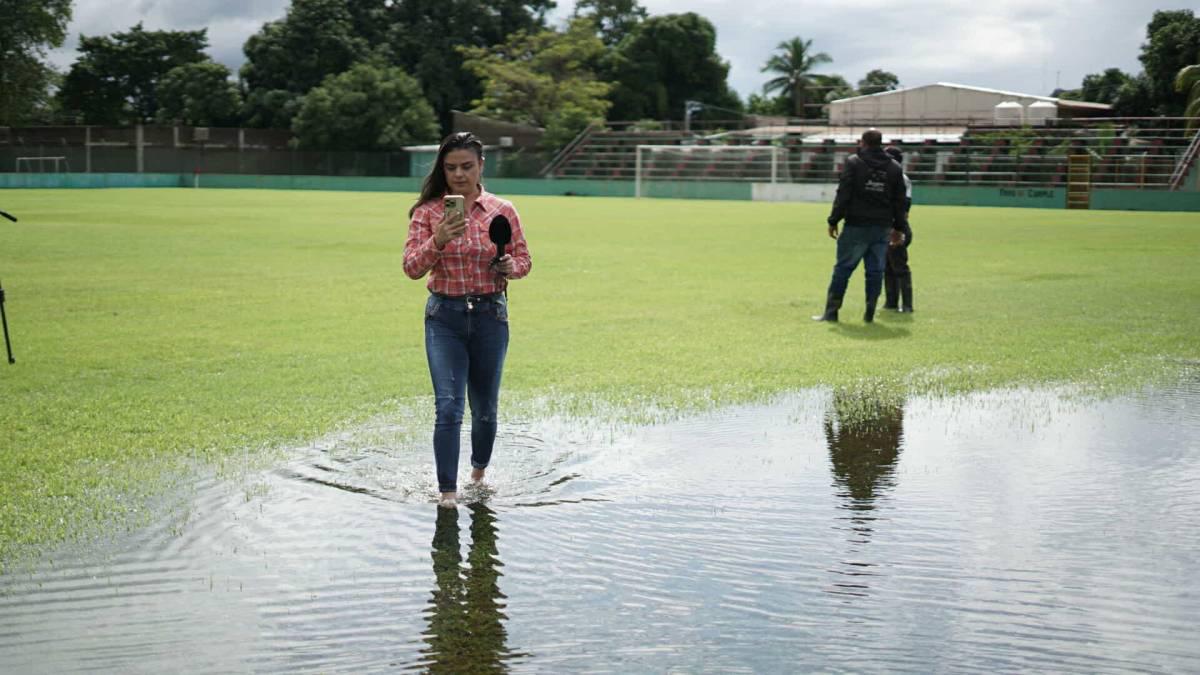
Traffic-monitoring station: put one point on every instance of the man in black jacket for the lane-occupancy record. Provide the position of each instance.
(870, 197)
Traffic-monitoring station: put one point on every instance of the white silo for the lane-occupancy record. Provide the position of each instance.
(1008, 114)
(1041, 112)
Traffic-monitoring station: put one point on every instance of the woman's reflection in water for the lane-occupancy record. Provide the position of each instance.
(466, 630)
(864, 434)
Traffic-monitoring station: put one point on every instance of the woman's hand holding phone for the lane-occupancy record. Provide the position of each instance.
(453, 224)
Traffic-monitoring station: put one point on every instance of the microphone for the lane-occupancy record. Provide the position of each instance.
(500, 232)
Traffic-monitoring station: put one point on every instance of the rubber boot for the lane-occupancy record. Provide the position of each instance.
(906, 302)
(891, 292)
(832, 304)
(869, 315)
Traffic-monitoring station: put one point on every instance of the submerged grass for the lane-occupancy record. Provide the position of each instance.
(155, 328)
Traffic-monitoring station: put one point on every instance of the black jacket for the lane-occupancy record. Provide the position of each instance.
(870, 191)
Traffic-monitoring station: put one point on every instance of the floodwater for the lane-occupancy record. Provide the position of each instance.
(1004, 531)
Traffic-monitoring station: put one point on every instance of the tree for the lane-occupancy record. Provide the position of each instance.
(199, 94)
(830, 88)
(793, 65)
(1103, 87)
(424, 36)
(877, 81)
(1136, 98)
(1187, 82)
(371, 106)
(613, 19)
(666, 61)
(546, 79)
(288, 57)
(759, 104)
(28, 28)
(115, 80)
(1173, 42)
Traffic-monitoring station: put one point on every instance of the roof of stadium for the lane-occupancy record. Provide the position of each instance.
(1066, 103)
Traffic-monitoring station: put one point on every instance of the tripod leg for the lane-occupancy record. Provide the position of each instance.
(4, 321)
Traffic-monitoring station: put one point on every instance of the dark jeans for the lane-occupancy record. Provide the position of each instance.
(465, 343)
(867, 243)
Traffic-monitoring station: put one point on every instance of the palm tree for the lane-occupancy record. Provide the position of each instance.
(1188, 82)
(793, 64)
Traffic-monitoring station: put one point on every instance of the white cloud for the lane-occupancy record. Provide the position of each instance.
(1021, 45)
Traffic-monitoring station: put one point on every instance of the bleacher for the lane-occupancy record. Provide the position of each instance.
(1134, 154)
(612, 154)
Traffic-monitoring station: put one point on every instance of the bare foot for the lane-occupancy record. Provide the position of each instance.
(449, 500)
(477, 475)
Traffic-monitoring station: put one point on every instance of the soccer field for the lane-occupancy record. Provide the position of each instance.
(151, 326)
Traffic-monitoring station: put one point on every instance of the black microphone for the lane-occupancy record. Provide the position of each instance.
(500, 232)
(9, 216)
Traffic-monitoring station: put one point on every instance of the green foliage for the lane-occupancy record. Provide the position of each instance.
(1104, 87)
(371, 106)
(115, 80)
(1172, 43)
(793, 66)
(1187, 82)
(1136, 98)
(288, 57)
(877, 81)
(612, 19)
(759, 104)
(545, 79)
(665, 61)
(199, 94)
(423, 38)
(831, 88)
(27, 29)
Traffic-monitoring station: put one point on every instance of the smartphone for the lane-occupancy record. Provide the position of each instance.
(455, 203)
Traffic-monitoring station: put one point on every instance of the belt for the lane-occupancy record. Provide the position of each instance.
(472, 298)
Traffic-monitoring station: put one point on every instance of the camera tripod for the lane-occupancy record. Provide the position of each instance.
(3, 317)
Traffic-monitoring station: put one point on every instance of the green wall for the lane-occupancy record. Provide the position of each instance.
(1145, 200)
(339, 183)
(1046, 198)
(972, 195)
(93, 180)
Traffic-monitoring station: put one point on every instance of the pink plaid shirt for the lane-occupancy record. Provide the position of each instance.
(461, 268)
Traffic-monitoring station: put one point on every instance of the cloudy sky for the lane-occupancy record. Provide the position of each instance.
(1028, 46)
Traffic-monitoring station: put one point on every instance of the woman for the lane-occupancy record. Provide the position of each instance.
(466, 316)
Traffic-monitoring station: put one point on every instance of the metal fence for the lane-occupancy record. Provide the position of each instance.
(1141, 153)
(150, 149)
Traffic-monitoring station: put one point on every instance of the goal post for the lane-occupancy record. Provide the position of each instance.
(39, 165)
(749, 163)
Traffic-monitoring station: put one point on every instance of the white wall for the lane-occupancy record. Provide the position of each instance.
(932, 103)
(794, 192)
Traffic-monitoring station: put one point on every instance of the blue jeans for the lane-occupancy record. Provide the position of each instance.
(465, 343)
(868, 243)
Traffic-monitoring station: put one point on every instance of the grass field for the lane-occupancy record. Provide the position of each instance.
(156, 326)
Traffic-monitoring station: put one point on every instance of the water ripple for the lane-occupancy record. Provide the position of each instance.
(1004, 531)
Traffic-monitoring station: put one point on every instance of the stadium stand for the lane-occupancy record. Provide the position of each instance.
(1125, 153)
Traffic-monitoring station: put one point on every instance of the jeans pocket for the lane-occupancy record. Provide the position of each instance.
(500, 311)
(432, 305)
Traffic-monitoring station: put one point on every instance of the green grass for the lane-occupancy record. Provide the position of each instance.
(156, 327)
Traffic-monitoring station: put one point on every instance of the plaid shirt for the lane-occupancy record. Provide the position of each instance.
(461, 268)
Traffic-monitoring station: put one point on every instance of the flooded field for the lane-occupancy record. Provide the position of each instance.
(1003, 531)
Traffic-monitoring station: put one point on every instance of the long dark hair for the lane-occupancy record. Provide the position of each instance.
(434, 184)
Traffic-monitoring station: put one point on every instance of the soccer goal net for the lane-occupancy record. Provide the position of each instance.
(42, 165)
(751, 163)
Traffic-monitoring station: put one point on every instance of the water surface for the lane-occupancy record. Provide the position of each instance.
(1001, 531)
